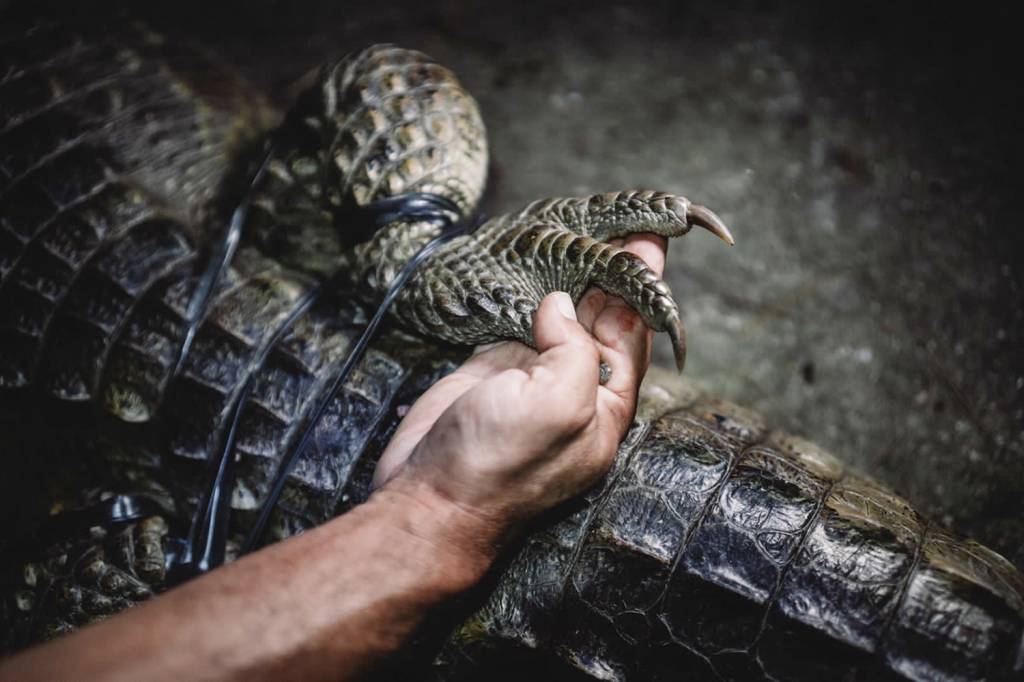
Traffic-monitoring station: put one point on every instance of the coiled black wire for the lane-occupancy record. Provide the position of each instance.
(205, 546)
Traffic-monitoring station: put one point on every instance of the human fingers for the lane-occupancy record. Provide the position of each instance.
(590, 306)
(617, 325)
(624, 338)
(564, 377)
(651, 248)
(593, 300)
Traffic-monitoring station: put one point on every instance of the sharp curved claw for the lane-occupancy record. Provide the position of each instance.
(706, 218)
(678, 335)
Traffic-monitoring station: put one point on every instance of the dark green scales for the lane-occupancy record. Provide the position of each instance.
(715, 547)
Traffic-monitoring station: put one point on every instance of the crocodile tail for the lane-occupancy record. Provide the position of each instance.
(718, 549)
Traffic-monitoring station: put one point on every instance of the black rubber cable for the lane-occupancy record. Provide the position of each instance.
(220, 258)
(449, 231)
(205, 546)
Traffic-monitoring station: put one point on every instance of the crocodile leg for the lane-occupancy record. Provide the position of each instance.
(85, 577)
(486, 286)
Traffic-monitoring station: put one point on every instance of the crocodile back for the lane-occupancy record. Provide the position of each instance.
(114, 150)
(121, 156)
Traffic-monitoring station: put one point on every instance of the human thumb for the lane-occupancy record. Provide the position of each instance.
(555, 324)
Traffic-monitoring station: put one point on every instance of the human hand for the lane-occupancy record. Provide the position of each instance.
(515, 431)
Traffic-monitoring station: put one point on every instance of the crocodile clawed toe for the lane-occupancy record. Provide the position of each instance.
(484, 286)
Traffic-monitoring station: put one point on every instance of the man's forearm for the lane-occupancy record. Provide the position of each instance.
(506, 436)
(323, 605)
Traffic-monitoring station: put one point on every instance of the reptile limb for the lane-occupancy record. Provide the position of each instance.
(486, 286)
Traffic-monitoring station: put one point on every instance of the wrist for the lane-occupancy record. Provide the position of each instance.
(463, 541)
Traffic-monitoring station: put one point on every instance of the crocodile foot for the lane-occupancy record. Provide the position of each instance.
(486, 286)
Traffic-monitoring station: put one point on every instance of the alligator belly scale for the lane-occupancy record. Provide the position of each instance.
(715, 548)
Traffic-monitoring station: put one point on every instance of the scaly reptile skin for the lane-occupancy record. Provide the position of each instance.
(486, 286)
(388, 122)
(715, 547)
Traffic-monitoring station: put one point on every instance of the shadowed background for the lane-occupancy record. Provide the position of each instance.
(866, 159)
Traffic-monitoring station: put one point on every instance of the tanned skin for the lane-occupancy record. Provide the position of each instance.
(511, 433)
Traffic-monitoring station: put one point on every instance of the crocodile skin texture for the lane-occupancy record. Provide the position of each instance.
(718, 548)
(111, 161)
(486, 286)
(84, 579)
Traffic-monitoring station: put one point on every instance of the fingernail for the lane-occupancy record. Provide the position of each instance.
(565, 305)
